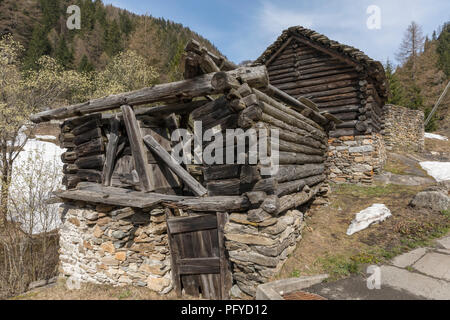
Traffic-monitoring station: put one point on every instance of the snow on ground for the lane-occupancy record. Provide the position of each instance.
(45, 137)
(435, 136)
(440, 171)
(37, 172)
(373, 214)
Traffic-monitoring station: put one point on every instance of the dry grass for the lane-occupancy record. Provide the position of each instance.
(438, 145)
(94, 292)
(325, 247)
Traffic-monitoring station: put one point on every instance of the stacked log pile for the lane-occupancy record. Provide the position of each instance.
(85, 142)
(302, 144)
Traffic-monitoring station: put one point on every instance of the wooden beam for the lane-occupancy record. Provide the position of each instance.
(291, 101)
(225, 272)
(156, 148)
(137, 149)
(211, 204)
(111, 151)
(96, 193)
(169, 92)
(276, 54)
(328, 51)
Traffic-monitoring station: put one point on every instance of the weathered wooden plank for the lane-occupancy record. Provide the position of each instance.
(91, 162)
(296, 172)
(192, 224)
(174, 257)
(297, 185)
(137, 148)
(163, 178)
(93, 147)
(211, 204)
(193, 184)
(96, 193)
(297, 199)
(218, 172)
(225, 272)
(111, 151)
(199, 266)
(88, 136)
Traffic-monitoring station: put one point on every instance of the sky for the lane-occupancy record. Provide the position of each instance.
(243, 29)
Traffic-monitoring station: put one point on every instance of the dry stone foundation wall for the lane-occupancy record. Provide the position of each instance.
(259, 250)
(356, 159)
(120, 247)
(107, 245)
(404, 129)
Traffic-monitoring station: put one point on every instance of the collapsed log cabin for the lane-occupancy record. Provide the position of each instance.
(340, 80)
(133, 215)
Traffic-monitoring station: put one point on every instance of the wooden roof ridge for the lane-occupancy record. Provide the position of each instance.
(372, 67)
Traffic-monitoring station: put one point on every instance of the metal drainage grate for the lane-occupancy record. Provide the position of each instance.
(305, 296)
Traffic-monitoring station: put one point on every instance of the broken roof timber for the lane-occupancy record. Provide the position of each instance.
(169, 92)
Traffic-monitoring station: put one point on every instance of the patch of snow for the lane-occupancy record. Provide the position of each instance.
(45, 137)
(435, 136)
(37, 171)
(373, 214)
(440, 171)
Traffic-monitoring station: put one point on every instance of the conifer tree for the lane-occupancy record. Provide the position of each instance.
(85, 66)
(443, 49)
(396, 95)
(37, 47)
(63, 54)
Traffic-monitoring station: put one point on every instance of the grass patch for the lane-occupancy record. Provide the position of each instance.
(371, 191)
(125, 294)
(339, 266)
(395, 169)
(295, 274)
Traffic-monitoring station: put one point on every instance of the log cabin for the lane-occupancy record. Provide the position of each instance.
(340, 80)
(134, 215)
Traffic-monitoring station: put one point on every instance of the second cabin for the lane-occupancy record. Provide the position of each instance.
(342, 81)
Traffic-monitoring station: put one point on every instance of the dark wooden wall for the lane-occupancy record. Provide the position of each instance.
(86, 140)
(341, 88)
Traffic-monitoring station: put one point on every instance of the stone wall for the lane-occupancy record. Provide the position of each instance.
(356, 159)
(259, 250)
(404, 129)
(258, 245)
(119, 247)
(105, 245)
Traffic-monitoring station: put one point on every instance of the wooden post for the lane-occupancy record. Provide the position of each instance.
(174, 250)
(225, 274)
(111, 151)
(193, 184)
(137, 148)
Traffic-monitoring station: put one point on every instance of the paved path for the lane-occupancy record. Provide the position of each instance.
(421, 274)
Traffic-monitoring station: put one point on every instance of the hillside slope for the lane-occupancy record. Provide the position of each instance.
(40, 25)
(430, 80)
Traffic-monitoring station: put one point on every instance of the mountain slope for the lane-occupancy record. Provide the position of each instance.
(431, 77)
(40, 25)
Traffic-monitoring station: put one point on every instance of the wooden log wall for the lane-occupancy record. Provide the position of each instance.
(302, 145)
(85, 156)
(335, 86)
(88, 139)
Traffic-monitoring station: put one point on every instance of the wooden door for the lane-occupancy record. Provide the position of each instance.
(199, 263)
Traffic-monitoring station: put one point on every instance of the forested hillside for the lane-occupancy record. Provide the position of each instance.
(423, 73)
(40, 25)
